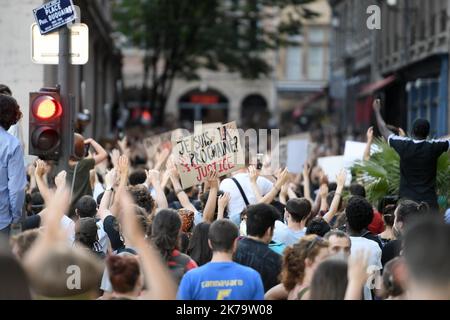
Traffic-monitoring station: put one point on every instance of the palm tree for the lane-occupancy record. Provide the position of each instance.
(381, 174)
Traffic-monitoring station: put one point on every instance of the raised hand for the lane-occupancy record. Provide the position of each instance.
(323, 190)
(357, 267)
(376, 105)
(282, 179)
(41, 168)
(253, 174)
(306, 170)
(123, 144)
(129, 222)
(401, 132)
(341, 177)
(212, 179)
(223, 201)
(284, 189)
(323, 178)
(153, 176)
(115, 154)
(162, 155)
(60, 180)
(110, 178)
(123, 166)
(370, 135)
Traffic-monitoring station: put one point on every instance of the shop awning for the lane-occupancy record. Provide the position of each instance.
(313, 98)
(375, 86)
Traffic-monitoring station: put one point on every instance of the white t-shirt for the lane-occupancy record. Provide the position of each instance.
(360, 243)
(103, 239)
(237, 203)
(282, 233)
(68, 226)
(98, 189)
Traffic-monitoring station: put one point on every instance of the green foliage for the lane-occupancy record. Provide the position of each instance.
(381, 174)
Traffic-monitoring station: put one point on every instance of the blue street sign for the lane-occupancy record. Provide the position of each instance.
(54, 14)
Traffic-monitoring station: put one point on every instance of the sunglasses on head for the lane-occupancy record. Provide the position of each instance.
(313, 243)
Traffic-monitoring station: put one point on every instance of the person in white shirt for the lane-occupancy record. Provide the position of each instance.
(359, 214)
(237, 203)
(296, 213)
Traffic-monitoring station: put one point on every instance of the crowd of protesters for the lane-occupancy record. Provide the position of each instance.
(118, 225)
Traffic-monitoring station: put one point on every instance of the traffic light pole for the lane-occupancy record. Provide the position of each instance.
(67, 114)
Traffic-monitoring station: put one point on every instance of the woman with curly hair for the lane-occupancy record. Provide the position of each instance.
(166, 230)
(125, 276)
(299, 263)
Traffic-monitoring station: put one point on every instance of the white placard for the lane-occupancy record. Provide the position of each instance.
(354, 151)
(297, 154)
(45, 48)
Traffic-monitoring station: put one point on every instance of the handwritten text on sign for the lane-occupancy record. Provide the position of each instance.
(216, 149)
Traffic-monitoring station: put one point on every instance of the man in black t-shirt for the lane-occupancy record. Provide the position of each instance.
(253, 251)
(418, 159)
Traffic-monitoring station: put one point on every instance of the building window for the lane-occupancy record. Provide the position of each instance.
(443, 21)
(432, 25)
(316, 63)
(294, 63)
(422, 30)
(316, 35)
(413, 35)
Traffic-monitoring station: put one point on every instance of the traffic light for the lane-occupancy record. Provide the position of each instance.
(45, 124)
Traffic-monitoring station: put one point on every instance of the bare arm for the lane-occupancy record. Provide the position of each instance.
(103, 210)
(284, 193)
(101, 153)
(282, 179)
(153, 178)
(39, 173)
(181, 195)
(222, 204)
(369, 144)
(161, 157)
(278, 292)
(51, 219)
(318, 202)
(306, 182)
(157, 277)
(323, 192)
(334, 207)
(291, 193)
(165, 179)
(210, 206)
(357, 275)
(385, 132)
(122, 168)
(253, 175)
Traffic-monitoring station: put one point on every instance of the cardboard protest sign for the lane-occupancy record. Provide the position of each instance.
(199, 126)
(216, 149)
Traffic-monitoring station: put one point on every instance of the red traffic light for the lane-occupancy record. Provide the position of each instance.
(45, 125)
(46, 107)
